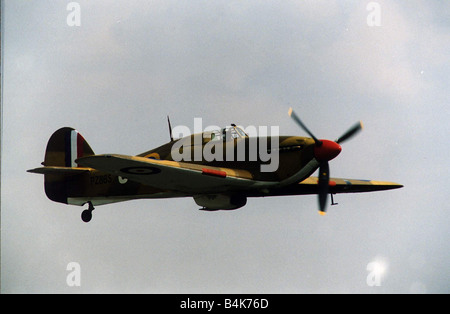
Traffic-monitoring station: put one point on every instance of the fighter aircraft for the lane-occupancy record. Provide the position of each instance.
(75, 175)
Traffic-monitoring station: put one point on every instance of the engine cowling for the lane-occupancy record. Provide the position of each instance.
(213, 202)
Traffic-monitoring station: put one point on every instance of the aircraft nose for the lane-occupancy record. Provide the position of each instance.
(327, 151)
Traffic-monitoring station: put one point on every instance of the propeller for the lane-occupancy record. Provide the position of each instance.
(350, 133)
(324, 178)
(294, 116)
(324, 151)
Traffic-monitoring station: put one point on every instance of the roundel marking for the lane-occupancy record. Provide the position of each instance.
(141, 170)
(153, 156)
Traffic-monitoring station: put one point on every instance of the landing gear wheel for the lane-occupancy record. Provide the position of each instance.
(86, 215)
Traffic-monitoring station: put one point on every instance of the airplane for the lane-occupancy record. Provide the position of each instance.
(75, 175)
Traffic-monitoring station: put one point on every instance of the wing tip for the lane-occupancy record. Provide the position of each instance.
(388, 185)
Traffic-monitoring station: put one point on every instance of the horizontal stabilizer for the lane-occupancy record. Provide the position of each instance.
(59, 170)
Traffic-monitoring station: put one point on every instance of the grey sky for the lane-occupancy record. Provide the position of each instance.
(130, 63)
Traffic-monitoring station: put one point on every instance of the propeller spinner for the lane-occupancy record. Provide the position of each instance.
(324, 151)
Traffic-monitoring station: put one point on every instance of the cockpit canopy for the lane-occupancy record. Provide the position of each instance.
(226, 134)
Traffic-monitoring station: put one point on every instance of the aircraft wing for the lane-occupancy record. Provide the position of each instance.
(171, 175)
(337, 185)
(200, 179)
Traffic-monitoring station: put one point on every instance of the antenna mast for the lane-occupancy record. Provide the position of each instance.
(170, 129)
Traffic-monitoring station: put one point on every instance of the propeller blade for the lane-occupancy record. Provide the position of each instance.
(294, 116)
(350, 133)
(324, 178)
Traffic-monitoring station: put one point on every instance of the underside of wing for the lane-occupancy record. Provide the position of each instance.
(170, 175)
(337, 185)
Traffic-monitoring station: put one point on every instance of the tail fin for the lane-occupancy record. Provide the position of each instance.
(61, 172)
(64, 147)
